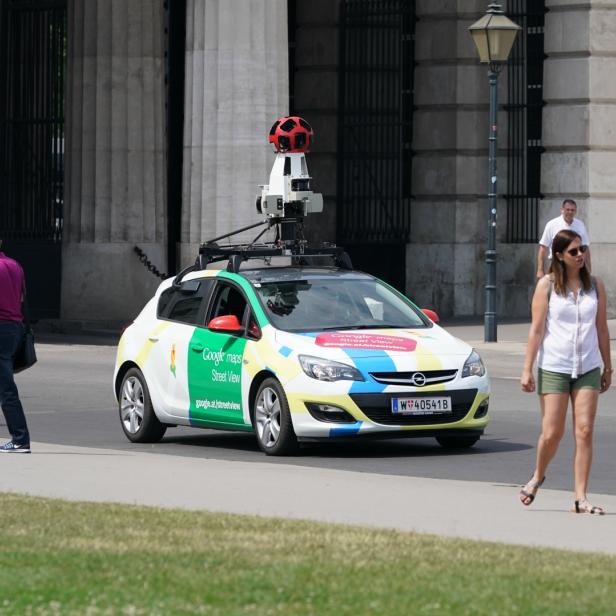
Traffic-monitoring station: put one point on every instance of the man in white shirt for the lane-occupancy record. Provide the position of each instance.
(566, 220)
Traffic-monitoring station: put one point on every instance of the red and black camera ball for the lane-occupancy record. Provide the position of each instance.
(291, 134)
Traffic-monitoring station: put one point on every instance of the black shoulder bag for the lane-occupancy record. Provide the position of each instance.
(25, 356)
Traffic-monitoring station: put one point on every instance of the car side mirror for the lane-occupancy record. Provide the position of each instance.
(226, 323)
(431, 314)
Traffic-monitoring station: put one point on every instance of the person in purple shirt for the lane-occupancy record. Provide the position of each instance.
(12, 284)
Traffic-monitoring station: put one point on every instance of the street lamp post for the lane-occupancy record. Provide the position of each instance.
(493, 35)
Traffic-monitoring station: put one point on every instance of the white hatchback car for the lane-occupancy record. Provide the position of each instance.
(296, 354)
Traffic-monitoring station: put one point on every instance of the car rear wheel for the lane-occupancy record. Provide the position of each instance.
(457, 442)
(139, 421)
(272, 420)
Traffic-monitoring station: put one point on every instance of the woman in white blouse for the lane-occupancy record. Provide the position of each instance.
(570, 339)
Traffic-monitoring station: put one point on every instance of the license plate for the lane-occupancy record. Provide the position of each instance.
(435, 405)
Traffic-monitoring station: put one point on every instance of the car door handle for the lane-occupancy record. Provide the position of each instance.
(197, 348)
(153, 338)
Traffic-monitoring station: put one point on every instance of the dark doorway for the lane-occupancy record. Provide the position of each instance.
(375, 121)
(524, 114)
(386, 261)
(32, 70)
(175, 44)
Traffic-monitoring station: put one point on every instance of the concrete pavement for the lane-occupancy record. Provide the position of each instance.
(473, 510)
(469, 509)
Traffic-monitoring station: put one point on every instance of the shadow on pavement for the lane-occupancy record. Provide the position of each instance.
(76, 339)
(386, 448)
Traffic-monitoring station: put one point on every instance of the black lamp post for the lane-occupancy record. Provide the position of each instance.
(493, 35)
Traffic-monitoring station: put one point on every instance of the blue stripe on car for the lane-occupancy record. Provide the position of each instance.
(346, 430)
(366, 361)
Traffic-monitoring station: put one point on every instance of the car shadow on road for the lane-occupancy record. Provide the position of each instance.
(219, 440)
(347, 449)
(406, 448)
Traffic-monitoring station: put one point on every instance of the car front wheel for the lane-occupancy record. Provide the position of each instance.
(457, 442)
(138, 418)
(272, 420)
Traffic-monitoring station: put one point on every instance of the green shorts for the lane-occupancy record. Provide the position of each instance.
(560, 383)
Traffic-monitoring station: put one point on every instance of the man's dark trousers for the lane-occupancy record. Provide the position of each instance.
(11, 334)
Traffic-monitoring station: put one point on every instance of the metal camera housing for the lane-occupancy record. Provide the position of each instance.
(288, 193)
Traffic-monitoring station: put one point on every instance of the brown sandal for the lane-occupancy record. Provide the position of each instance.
(526, 496)
(583, 506)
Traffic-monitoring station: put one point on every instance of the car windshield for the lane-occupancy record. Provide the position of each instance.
(336, 303)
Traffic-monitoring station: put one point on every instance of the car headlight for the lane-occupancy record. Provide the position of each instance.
(473, 366)
(328, 370)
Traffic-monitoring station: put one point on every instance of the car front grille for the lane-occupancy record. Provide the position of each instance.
(410, 379)
(377, 407)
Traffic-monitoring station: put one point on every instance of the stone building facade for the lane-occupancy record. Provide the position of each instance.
(235, 83)
(580, 123)
(247, 62)
(445, 253)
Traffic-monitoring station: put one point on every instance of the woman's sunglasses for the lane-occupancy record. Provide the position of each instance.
(575, 251)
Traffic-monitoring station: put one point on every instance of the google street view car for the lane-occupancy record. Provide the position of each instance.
(294, 352)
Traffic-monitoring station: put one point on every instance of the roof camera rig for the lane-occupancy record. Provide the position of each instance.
(284, 203)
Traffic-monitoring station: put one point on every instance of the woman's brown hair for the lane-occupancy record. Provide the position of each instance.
(557, 267)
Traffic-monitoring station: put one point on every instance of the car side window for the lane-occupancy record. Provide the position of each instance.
(186, 310)
(250, 325)
(228, 300)
(164, 302)
(184, 304)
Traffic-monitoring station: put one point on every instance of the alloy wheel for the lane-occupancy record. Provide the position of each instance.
(267, 415)
(132, 405)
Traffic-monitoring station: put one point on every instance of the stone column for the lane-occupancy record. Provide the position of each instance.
(115, 172)
(579, 123)
(450, 130)
(236, 87)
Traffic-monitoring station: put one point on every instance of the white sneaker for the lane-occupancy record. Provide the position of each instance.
(12, 447)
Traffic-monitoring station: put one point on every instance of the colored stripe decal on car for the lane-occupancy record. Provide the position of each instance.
(347, 430)
(148, 344)
(215, 378)
(369, 361)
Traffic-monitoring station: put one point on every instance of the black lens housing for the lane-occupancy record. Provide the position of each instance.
(482, 409)
(338, 416)
(300, 184)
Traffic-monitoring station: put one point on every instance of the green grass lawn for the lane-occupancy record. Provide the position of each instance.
(63, 558)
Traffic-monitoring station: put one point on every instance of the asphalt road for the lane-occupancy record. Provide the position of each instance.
(69, 401)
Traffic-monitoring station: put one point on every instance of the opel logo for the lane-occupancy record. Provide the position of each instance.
(418, 379)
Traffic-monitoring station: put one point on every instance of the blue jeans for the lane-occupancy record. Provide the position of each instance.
(11, 334)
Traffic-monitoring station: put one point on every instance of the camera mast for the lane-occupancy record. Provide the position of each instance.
(284, 203)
